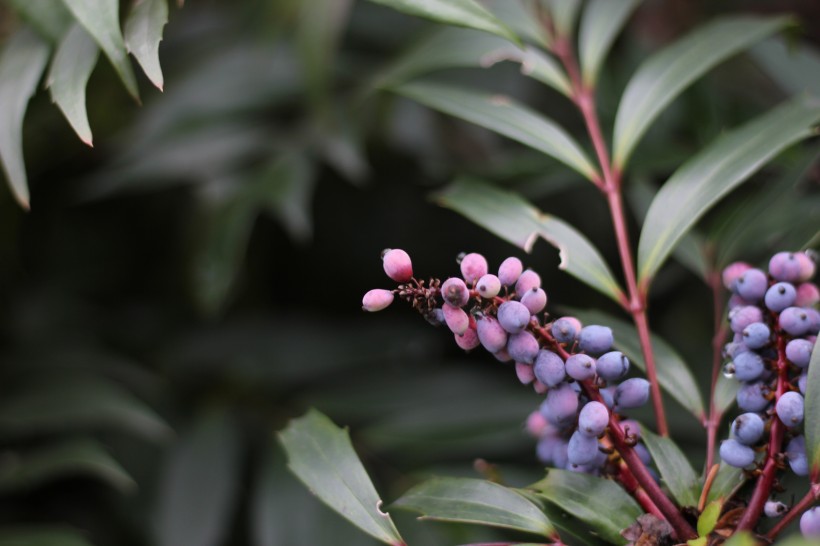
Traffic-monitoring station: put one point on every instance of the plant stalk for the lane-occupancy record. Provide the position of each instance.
(804, 504)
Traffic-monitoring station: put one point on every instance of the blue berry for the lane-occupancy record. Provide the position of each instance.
(582, 449)
(643, 453)
(612, 366)
(774, 509)
(756, 335)
(779, 296)
(522, 347)
(736, 454)
(455, 292)
(741, 317)
(509, 271)
(473, 267)
(796, 454)
(566, 329)
(753, 396)
(631, 428)
(752, 285)
(488, 286)
(784, 266)
(632, 393)
(798, 351)
(490, 333)
(789, 408)
(801, 383)
(513, 316)
(593, 419)
(608, 396)
(528, 280)
(545, 448)
(535, 300)
(795, 321)
(549, 368)
(732, 273)
(748, 366)
(810, 523)
(560, 406)
(595, 339)
(748, 428)
(580, 367)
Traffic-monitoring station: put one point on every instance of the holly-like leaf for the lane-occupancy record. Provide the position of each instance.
(673, 374)
(505, 117)
(725, 164)
(664, 76)
(321, 455)
(601, 23)
(101, 18)
(461, 13)
(600, 503)
(475, 501)
(811, 419)
(143, 33)
(73, 63)
(674, 468)
(21, 65)
(515, 220)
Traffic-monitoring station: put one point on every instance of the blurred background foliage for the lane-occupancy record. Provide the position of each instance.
(180, 291)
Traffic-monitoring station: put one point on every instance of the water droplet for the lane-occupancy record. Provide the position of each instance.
(729, 370)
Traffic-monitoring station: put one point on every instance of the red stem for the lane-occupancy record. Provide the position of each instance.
(713, 422)
(805, 503)
(630, 484)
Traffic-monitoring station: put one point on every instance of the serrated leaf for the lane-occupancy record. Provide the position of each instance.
(71, 67)
(794, 67)
(728, 479)
(811, 418)
(563, 13)
(601, 23)
(515, 220)
(101, 18)
(726, 163)
(481, 502)
(673, 373)
(22, 63)
(199, 484)
(49, 18)
(321, 455)
(81, 457)
(504, 116)
(143, 33)
(708, 518)
(674, 468)
(460, 13)
(664, 76)
(42, 537)
(592, 500)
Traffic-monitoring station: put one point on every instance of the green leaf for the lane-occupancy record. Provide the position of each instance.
(665, 75)
(76, 57)
(42, 537)
(725, 393)
(460, 13)
(726, 163)
(22, 63)
(49, 18)
(673, 374)
(563, 13)
(82, 457)
(794, 67)
(199, 483)
(321, 455)
(708, 518)
(674, 468)
(727, 481)
(143, 33)
(475, 501)
(520, 16)
(504, 116)
(743, 538)
(790, 541)
(811, 419)
(515, 220)
(101, 18)
(601, 23)
(59, 403)
(600, 503)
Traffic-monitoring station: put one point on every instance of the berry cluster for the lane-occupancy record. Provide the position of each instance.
(574, 365)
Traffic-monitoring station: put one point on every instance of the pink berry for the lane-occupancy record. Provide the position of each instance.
(539, 387)
(488, 286)
(473, 267)
(455, 292)
(468, 340)
(785, 266)
(377, 299)
(491, 334)
(456, 319)
(528, 280)
(509, 271)
(732, 272)
(397, 265)
(536, 424)
(535, 300)
(524, 373)
(806, 265)
(807, 295)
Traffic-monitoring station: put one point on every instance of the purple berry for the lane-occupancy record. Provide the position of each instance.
(582, 449)
(796, 454)
(784, 266)
(810, 523)
(509, 271)
(397, 265)
(752, 285)
(608, 396)
(796, 321)
(513, 316)
(798, 351)
(643, 454)
(468, 340)
(559, 454)
(539, 387)
(736, 454)
(632, 393)
(488, 286)
(561, 406)
(535, 300)
(741, 317)
(456, 319)
(524, 372)
(631, 428)
(377, 299)
(748, 366)
(566, 329)
(756, 335)
(549, 368)
(789, 408)
(473, 267)
(593, 419)
(490, 333)
(801, 383)
(545, 448)
(502, 355)
(528, 280)
(595, 339)
(536, 425)
(753, 396)
(779, 296)
(581, 367)
(522, 347)
(612, 366)
(748, 428)
(732, 273)
(455, 292)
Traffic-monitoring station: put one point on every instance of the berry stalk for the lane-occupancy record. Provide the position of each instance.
(805, 503)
